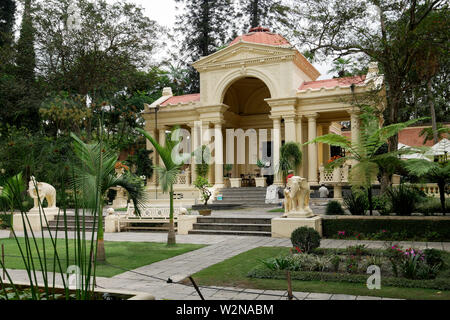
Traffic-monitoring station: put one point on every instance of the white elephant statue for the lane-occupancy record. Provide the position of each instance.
(296, 197)
(44, 190)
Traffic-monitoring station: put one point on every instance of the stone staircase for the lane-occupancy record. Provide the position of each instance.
(245, 197)
(233, 226)
(58, 223)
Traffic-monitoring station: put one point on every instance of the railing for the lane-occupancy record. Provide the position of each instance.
(432, 190)
(337, 175)
(183, 179)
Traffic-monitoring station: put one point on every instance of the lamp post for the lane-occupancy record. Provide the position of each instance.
(155, 109)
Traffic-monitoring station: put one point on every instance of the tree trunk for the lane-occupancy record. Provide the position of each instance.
(171, 237)
(432, 110)
(289, 282)
(101, 255)
(369, 196)
(385, 182)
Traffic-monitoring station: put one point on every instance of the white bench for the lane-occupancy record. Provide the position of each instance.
(149, 215)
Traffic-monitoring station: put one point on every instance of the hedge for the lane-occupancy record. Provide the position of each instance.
(261, 272)
(5, 220)
(411, 229)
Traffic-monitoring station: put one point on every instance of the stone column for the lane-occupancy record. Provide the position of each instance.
(206, 139)
(276, 140)
(355, 124)
(162, 140)
(154, 155)
(300, 142)
(290, 134)
(312, 148)
(195, 144)
(218, 150)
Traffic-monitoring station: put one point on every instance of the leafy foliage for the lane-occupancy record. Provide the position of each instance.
(307, 239)
(334, 208)
(290, 158)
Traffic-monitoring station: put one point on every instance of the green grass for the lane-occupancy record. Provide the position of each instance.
(128, 255)
(277, 210)
(233, 273)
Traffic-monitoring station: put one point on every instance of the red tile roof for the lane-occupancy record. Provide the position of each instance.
(263, 36)
(331, 83)
(181, 99)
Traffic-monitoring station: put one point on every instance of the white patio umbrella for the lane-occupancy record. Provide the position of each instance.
(441, 148)
(411, 155)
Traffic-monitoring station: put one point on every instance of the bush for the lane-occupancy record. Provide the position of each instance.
(381, 204)
(403, 199)
(434, 258)
(406, 229)
(334, 208)
(307, 239)
(431, 206)
(5, 221)
(356, 203)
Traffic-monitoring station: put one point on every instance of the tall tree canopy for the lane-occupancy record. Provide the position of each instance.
(7, 18)
(205, 26)
(264, 13)
(393, 37)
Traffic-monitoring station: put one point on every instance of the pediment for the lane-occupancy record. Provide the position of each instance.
(243, 52)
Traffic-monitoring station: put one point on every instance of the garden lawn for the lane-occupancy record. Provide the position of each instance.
(233, 273)
(126, 255)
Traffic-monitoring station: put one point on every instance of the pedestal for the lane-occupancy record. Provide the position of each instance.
(185, 223)
(338, 192)
(260, 182)
(121, 200)
(283, 227)
(235, 182)
(34, 219)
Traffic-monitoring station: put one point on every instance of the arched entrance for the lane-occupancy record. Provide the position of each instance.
(248, 115)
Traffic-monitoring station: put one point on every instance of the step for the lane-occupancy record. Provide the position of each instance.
(232, 233)
(73, 228)
(232, 227)
(234, 220)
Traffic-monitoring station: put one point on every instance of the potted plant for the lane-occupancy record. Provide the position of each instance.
(202, 184)
(260, 180)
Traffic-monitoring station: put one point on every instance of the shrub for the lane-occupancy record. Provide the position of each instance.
(334, 208)
(381, 204)
(405, 229)
(433, 258)
(431, 206)
(356, 203)
(403, 199)
(307, 239)
(5, 221)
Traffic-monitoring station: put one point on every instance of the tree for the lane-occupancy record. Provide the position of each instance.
(100, 53)
(26, 56)
(364, 154)
(435, 172)
(264, 13)
(393, 39)
(430, 134)
(7, 18)
(95, 175)
(167, 174)
(290, 158)
(205, 26)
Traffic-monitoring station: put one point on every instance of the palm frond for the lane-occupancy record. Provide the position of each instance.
(333, 140)
(363, 174)
(167, 177)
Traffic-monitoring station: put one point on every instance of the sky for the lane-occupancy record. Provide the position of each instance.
(164, 12)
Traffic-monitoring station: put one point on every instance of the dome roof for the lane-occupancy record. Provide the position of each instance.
(262, 36)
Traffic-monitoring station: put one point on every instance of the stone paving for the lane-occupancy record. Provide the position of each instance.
(152, 278)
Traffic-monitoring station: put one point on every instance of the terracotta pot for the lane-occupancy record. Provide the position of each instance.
(205, 212)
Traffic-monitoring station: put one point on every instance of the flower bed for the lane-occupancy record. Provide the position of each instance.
(408, 268)
(388, 228)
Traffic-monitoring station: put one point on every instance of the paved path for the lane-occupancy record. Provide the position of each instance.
(152, 278)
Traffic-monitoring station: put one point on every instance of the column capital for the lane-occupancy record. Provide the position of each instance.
(218, 123)
(275, 117)
(354, 112)
(290, 118)
(312, 116)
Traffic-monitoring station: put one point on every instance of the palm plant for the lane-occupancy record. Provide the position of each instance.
(364, 153)
(290, 158)
(94, 175)
(167, 174)
(436, 172)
